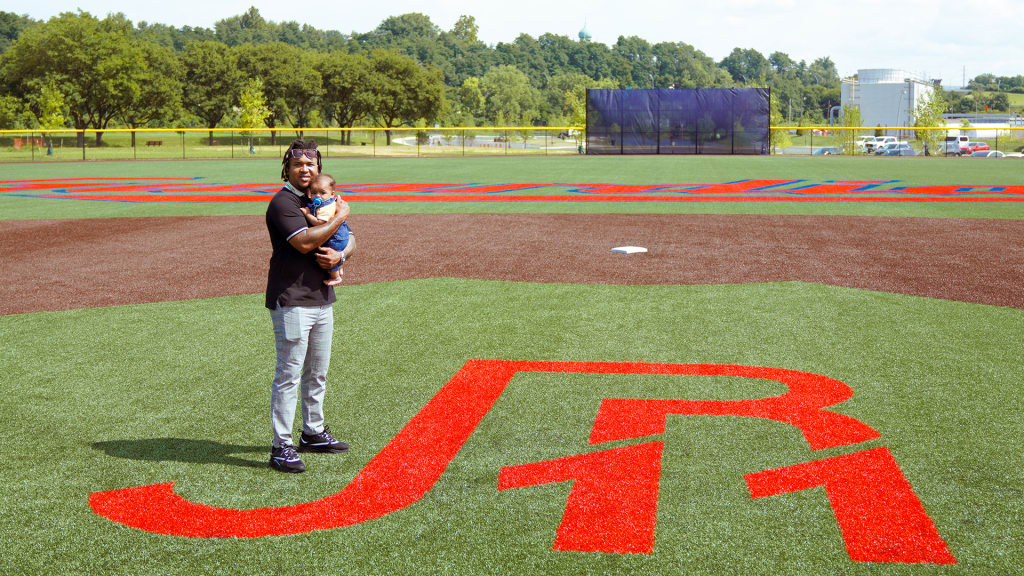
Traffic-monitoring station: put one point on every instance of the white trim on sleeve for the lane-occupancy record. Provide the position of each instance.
(296, 232)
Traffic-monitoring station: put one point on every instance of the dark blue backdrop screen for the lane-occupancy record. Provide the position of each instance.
(699, 121)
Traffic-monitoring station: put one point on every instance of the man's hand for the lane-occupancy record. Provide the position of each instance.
(327, 258)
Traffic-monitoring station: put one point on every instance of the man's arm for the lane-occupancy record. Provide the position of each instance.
(329, 258)
(311, 238)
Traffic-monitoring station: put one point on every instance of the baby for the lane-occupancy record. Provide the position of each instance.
(320, 207)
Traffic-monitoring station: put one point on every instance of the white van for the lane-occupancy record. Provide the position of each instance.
(954, 144)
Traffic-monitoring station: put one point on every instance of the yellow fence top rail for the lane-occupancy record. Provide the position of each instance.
(291, 129)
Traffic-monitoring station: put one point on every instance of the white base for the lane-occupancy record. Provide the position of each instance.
(629, 250)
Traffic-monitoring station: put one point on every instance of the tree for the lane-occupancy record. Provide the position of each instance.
(746, 66)
(928, 114)
(402, 92)
(344, 81)
(11, 26)
(850, 116)
(510, 98)
(639, 56)
(471, 98)
(249, 27)
(212, 81)
(160, 89)
(14, 113)
(97, 65)
(465, 30)
(253, 109)
(776, 138)
(49, 103)
(682, 66)
(291, 83)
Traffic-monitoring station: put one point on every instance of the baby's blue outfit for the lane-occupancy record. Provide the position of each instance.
(340, 238)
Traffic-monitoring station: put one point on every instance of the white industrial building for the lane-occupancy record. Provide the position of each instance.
(886, 97)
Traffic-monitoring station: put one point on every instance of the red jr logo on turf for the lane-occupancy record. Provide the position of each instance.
(613, 503)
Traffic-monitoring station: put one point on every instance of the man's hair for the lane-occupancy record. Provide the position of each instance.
(299, 144)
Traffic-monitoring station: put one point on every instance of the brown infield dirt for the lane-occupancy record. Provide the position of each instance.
(85, 263)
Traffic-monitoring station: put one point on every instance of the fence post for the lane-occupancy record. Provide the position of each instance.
(135, 145)
(374, 133)
(463, 141)
(327, 146)
(83, 144)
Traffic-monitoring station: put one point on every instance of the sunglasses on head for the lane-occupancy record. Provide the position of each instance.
(310, 153)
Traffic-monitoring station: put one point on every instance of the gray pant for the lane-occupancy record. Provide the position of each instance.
(302, 336)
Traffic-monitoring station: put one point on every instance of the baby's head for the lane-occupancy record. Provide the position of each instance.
(322, 187)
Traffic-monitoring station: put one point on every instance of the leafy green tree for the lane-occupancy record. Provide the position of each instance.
(11, 26)
(292, 84)
(344, 81)
(928, 114)
(212, 81)
(466, 29)
(249, 27)
(850, 117)
(14, 113)
(50, 103)
(776, 138)
(252, 109)
(402, 91)
(160, 89)
(525, 54)
(746, 66)
(510, 98)
(639, 56)
(97, 65)
(683, 66)
(472, 100)
(563, 109)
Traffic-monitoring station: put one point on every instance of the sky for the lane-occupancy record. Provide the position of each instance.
(937, 39)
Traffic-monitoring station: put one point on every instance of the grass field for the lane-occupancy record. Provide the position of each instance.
(610, 170)
(111, 398)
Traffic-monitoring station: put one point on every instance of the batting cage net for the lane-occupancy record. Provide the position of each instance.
(700, 121)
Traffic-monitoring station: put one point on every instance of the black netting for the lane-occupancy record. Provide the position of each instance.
(701, 121)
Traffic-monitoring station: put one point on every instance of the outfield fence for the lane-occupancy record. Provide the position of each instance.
(227, 143)
(944, 141)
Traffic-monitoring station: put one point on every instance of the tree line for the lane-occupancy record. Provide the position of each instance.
(79, 71)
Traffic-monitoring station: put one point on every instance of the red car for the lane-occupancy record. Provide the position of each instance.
(972, 147)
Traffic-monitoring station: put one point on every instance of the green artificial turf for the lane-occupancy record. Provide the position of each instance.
(110, 398)
(569, 170)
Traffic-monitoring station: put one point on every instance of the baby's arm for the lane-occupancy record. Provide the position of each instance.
(310, 218)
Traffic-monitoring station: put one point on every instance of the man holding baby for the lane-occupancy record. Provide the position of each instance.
(300, 304)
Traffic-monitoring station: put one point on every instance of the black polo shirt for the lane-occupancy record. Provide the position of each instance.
(294, 279)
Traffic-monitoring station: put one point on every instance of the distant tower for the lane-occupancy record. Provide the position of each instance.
(584, 33)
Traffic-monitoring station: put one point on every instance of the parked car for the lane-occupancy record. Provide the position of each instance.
(861, 142)
(901, 149)
(877, 142)
(972, 147)
(895, 149)
(987, 154)
(827, 151)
